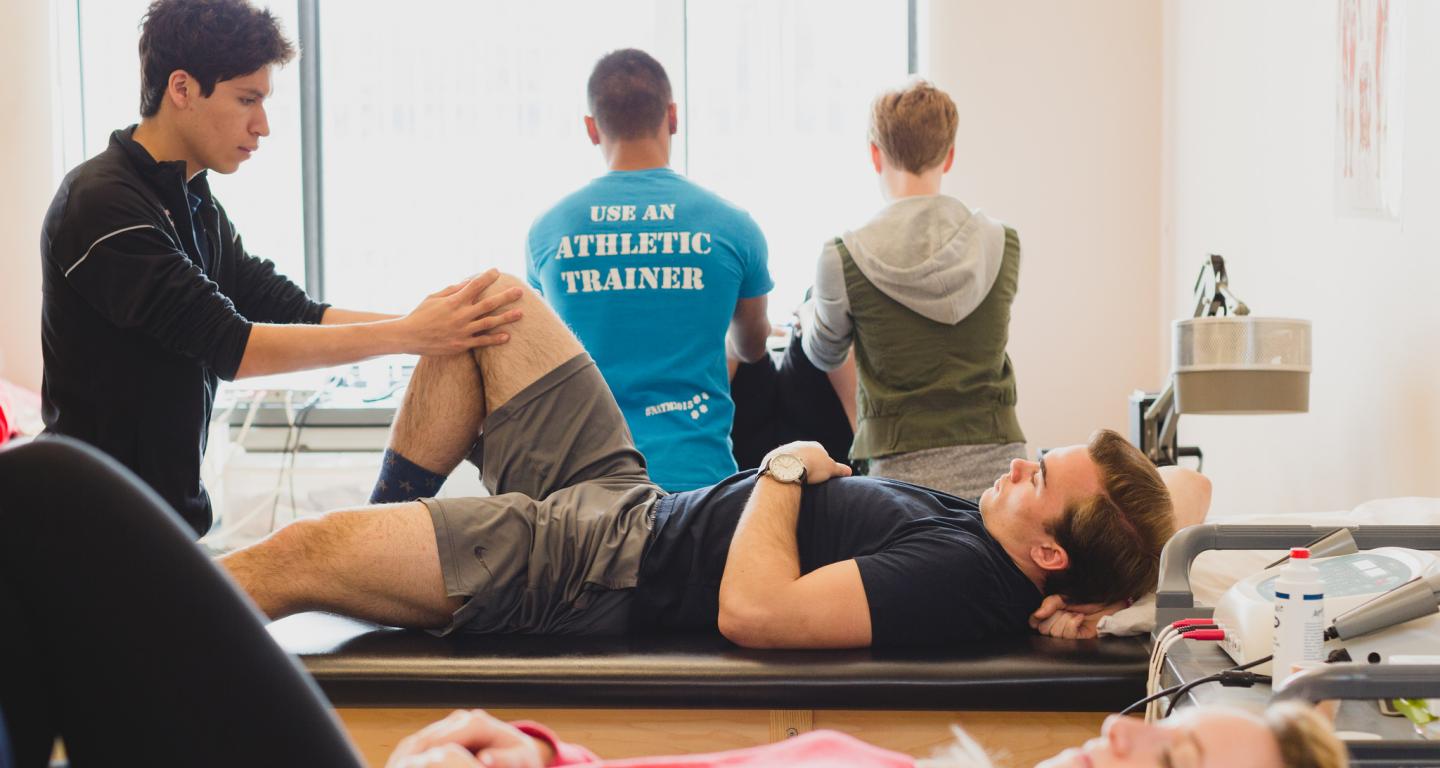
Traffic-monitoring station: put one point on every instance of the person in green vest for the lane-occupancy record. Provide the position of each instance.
(923, 292)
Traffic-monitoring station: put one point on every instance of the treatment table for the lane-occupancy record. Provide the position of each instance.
(1028, 697)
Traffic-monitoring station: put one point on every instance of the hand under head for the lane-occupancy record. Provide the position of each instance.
(1087, 522)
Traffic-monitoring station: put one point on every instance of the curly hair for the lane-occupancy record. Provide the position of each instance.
(212, 40)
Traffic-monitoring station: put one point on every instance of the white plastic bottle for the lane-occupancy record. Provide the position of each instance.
(1299, 615)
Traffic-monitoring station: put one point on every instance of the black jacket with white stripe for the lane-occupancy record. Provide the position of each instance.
(139, 322)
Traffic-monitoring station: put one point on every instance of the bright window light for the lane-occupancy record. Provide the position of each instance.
(263, 198)
(779, 108)
(448, 125)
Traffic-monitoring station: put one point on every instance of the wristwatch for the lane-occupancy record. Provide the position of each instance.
(785, 468)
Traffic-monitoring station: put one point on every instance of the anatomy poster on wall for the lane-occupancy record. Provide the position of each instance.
(1369, 108)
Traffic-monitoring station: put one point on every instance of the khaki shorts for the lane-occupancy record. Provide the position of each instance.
(557, 549)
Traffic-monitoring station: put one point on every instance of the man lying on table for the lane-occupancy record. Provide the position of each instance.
(577, 540)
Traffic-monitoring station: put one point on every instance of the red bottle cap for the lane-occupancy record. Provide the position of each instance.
(1299, 553)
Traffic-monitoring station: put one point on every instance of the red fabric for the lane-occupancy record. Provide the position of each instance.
(5, 410)
(565, 754)
(18, 406)
(816, 749)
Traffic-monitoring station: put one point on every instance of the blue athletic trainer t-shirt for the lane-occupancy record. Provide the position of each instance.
(646, 268)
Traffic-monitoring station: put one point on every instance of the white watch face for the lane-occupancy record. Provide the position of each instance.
(787, 468)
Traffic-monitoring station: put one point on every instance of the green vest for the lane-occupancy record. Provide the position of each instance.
(924, 384)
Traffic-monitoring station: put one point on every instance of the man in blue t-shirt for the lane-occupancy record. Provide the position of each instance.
(659, 278)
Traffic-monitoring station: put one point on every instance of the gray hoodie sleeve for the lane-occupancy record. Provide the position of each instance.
(827, 326)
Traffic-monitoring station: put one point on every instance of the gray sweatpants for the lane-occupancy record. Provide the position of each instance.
(959, 470)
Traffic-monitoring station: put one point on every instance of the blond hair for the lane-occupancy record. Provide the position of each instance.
(1114, 539)
(1305, 737)
(1302, 734)
(963, 752)
(914, 126)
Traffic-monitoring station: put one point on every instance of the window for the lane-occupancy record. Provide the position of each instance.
(779, 107)
(445, 128)
(264, 198)
(443, 141)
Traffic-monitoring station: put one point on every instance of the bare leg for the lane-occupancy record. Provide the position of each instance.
(448, 397)
(381, 563)
(376, 563)
(441, 415)
(540, 342)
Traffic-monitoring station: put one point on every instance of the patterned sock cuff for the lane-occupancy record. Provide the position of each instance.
(403, 480)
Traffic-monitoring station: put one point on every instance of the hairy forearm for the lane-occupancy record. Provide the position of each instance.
(764, 554)
(765, 601)
(338, 316)
(283, 348)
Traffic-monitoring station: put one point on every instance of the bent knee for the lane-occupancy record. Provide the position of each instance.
(289, 546)
(318, 540)
(505, 281)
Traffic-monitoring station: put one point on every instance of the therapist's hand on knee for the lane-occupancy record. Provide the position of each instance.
(471, 738)
(457, 318)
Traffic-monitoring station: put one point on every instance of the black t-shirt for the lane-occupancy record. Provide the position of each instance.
(932, 573)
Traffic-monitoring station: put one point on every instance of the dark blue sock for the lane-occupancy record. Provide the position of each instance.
(403, 480)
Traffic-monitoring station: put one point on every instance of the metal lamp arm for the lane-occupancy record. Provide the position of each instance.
(1212, 291)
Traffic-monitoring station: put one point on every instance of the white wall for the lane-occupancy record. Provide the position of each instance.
(1060, 137)
(1249, 143)
(27, 168)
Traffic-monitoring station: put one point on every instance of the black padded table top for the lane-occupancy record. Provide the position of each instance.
(363, 665)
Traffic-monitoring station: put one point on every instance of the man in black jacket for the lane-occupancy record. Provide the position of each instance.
(149, 295)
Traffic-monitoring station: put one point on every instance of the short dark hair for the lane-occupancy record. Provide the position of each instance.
(1114, 539)
(212, 40)
(629, 94)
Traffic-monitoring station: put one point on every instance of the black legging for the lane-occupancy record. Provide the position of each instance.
(775, 405)
(120, 636)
